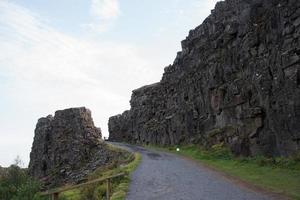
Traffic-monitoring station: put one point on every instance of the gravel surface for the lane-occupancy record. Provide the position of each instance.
(164, 176)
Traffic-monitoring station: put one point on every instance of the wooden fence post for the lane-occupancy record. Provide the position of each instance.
(55, 196)
(108, 189)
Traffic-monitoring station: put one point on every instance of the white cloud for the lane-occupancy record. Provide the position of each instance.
(104, 13)
(105, 9)
(49, 70)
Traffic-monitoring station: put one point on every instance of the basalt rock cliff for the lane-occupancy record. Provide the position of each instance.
(236, 81)
(67, 147)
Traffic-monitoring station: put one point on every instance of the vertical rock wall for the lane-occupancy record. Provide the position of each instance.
(236, 81)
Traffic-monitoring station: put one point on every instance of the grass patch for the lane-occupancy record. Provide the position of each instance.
(280, 175)
(98, 191)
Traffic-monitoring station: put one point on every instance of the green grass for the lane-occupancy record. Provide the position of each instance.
(98, 191)
(122, 189)
(279, 175)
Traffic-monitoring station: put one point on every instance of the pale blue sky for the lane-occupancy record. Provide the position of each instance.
(58, 54)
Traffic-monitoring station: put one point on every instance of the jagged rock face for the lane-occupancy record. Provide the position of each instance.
(235, 81)
(67, 147)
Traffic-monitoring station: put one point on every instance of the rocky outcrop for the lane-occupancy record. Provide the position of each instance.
(67, 147)
(235, 81)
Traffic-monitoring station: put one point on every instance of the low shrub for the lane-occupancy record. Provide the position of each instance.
(290, 162)
(16, 184)
(296, 157)
(219, 151)
(264, 161)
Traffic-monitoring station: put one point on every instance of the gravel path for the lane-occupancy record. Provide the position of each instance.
(164, 176)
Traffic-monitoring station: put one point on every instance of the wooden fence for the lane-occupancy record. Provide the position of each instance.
(54, 193)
